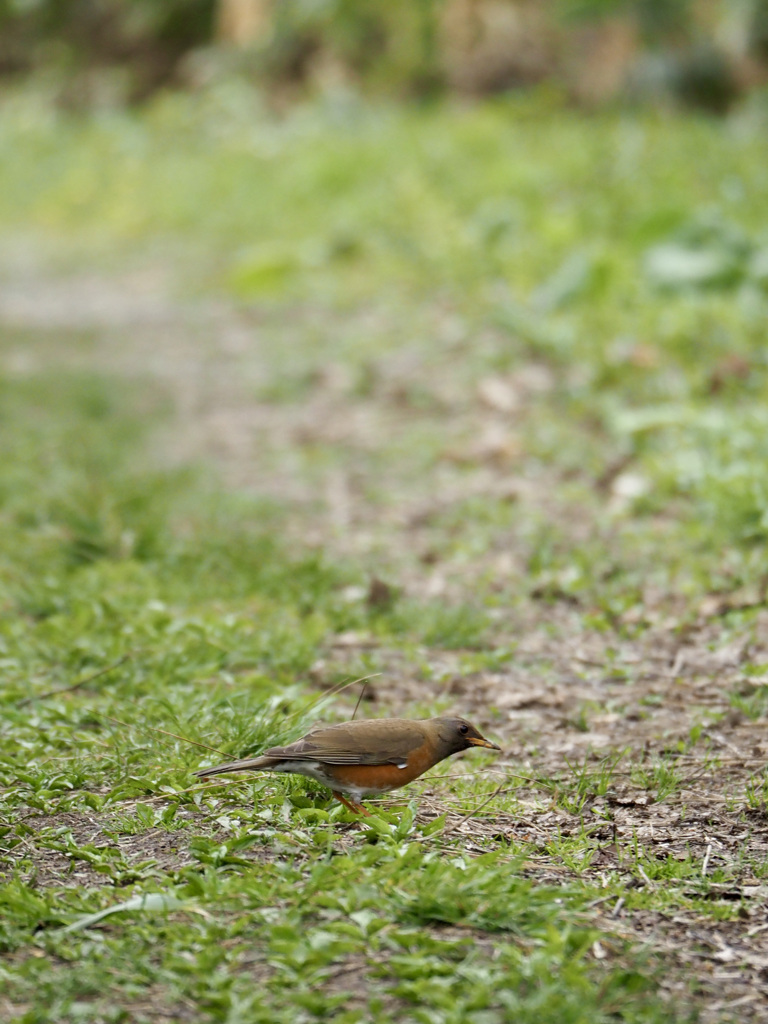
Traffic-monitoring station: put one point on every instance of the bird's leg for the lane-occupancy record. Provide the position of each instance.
(351, 805)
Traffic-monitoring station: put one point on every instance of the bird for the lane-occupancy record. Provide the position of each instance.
(364, 758)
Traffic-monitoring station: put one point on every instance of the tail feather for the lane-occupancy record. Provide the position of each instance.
(252, 764)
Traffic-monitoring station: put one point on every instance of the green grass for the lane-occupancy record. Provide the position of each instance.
(530, 227)
(207, 627)
(159, 619)
(208, 631)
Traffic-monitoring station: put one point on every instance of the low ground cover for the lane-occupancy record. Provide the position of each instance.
(465, 401)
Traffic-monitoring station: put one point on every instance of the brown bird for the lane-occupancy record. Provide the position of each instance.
(364, 758)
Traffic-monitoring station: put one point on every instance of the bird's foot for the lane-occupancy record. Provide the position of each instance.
(351, 805)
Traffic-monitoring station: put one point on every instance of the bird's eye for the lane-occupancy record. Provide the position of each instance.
(463, 729)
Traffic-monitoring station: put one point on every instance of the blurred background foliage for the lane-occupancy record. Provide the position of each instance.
(702, 52)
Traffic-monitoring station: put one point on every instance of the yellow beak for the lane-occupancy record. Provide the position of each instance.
(480, 741)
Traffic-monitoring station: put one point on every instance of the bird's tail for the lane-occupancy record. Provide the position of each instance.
(250, 764)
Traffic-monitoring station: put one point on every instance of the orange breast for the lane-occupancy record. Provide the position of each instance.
(381, 777)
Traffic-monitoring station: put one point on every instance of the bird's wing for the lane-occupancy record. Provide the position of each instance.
(381, 741)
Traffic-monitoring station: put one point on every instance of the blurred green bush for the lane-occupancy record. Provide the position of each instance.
(145, 37)
(706, 52)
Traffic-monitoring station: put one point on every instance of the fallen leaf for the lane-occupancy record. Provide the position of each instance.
(153, 902)
(498, 394)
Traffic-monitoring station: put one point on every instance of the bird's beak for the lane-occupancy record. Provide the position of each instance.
(480, 741)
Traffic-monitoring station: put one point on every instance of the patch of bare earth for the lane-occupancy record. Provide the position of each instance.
(154, 1006)
(565, 701)
(563, 710)
(64, 850)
